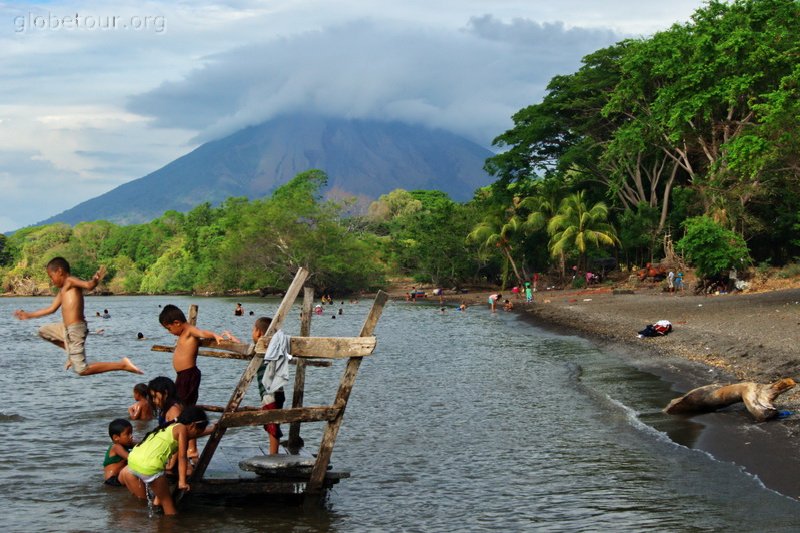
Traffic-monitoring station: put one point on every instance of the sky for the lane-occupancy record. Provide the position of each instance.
(94, 95)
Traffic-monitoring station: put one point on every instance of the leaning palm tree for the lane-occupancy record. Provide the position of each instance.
(541, 208)
(576, 227)
(495, 231)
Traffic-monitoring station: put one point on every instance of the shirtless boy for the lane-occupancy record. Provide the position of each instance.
(71, 334)
(184, 358)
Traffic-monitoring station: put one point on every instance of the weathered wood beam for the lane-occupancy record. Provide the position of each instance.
(325, 347)
(301, 347)
(261, 485)
(278, 416)
(221, 409)
(298, 391)
(219, 354)
(315, 484)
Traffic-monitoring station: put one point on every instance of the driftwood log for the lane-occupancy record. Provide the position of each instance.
(757, 397)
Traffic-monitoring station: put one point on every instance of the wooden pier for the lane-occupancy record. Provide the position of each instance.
(232, 470)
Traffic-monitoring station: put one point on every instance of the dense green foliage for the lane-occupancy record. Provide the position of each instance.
(692, 133)
(711, 248)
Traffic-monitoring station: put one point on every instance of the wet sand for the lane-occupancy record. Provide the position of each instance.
(716, 339)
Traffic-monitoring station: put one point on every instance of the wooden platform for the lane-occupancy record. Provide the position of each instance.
(224, 476)
(218, 471)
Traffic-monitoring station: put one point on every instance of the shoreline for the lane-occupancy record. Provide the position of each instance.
(748, 336)
(715, 339)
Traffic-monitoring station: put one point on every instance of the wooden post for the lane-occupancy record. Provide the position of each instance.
(315, 483)
(300, 370)
(249, 374)
(192, 315)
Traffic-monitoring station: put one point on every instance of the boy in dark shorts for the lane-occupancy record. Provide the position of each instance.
(184, 358)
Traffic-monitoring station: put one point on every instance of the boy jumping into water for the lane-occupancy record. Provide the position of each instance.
(71, 334)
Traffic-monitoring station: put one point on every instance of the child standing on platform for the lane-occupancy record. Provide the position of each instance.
(269, 400)
(184, 359)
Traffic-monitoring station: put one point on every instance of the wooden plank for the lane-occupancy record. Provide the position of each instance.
(192, 315)
(278, 416)
(298, 391)
(316, 483)
(325, 347)
(249, 373)
(300, 347)
(219, 354)
(221, 409)
(260, 485)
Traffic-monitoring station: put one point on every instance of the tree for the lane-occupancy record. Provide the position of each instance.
(495, 231)
(704, 87)
(712, 248)
(576, 227)
(5, 252)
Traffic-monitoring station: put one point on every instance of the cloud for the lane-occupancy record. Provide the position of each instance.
(468, 80)
(92, 108)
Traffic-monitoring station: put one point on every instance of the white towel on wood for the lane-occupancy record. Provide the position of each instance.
(277, 359)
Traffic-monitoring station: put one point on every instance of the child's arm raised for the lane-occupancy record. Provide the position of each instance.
(205, 334)
(90, 284)
(54, 305)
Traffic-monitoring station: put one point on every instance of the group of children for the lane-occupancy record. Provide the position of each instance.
(180, 422)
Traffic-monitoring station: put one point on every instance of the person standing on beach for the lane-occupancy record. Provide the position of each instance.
(493, 301)
(71, 333)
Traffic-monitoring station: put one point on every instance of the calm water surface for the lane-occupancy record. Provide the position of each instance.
(459, 422)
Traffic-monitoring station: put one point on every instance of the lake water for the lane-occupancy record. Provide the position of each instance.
(459, 422)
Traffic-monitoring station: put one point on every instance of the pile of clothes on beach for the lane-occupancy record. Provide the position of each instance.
(659, 329)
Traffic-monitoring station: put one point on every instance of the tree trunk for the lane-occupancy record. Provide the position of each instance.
(757, 398)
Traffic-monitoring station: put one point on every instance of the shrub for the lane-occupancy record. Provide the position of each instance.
(711, 248)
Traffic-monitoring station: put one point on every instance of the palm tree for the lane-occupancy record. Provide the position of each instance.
(541, 208)
(579, 228)
(495, 230)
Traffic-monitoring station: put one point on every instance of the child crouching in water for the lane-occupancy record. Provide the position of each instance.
(121, 433)
(148, 460)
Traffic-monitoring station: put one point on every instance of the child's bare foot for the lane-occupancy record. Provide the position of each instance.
(130, 367)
